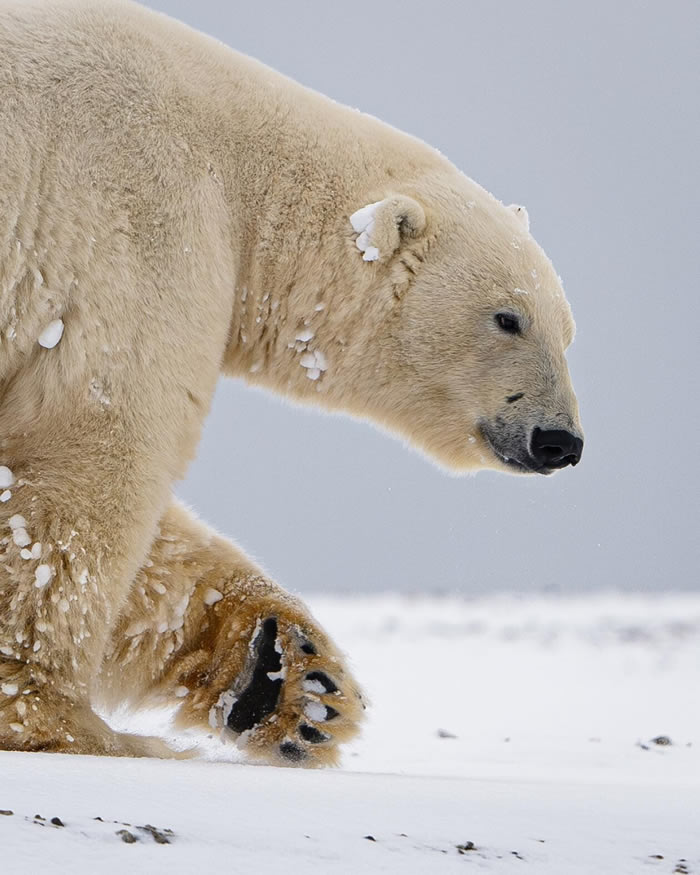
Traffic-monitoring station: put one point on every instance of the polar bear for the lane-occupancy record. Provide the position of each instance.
(171, 211)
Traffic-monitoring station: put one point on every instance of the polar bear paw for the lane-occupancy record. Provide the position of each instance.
(294, 701)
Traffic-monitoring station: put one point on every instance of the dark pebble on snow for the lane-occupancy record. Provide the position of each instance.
(160, 836)
(467, 846)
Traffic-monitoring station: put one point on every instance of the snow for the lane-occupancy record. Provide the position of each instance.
(218, 713)
(315, 362)
(98, 394)
(363, 217)
(17, 524)
(52, 334)
(5, 496)
(517, 730)
(21, 537)
(362, 222)
(42, 576)
(7, 478)
(212, 596)
(313, 687)
(315, 711)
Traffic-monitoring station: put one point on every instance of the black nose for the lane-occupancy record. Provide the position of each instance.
(555, 448)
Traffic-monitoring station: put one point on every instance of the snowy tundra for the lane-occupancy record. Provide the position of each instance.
(570, 748)
(172, 211)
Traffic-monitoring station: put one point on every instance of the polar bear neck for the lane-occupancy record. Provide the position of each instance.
(305, 304)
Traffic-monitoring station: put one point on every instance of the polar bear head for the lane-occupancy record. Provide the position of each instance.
(471, 363)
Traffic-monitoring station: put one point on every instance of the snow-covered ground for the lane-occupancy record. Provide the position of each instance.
(519, 729)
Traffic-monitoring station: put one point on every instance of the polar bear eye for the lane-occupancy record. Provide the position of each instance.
(508, 322)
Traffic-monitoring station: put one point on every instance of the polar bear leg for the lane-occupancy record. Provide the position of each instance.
(88, 482)
(68, 547)
(206, 629)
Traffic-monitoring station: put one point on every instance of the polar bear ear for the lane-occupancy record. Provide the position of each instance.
(381, 226)
(521, 213)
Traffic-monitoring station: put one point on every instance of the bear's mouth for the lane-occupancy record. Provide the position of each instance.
(503, 452)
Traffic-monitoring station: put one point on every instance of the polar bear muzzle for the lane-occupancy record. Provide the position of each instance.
(540, 451)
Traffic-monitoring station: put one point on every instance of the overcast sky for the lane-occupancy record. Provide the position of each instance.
(588, 114)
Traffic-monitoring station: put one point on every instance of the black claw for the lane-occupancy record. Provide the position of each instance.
(262, 694)
(331, 713)
(307, 647)
(323, 679)
(311, 734)
(292, 752)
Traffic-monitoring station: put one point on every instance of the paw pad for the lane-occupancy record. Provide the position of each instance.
(261, 696)
(292, 752)
(276, 704)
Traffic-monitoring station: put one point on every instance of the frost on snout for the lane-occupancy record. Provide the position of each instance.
(541, 449)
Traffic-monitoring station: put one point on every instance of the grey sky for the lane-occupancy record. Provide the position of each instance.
(588, 114)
